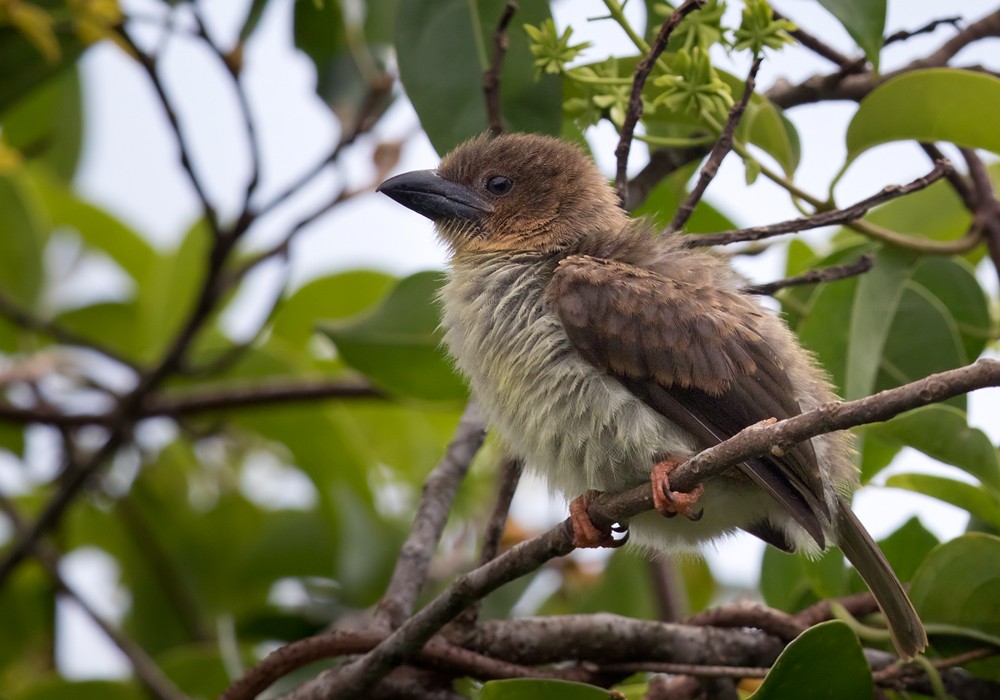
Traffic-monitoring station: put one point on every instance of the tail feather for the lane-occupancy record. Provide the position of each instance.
(905, 628)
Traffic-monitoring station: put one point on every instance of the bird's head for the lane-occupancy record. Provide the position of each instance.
(515, 192)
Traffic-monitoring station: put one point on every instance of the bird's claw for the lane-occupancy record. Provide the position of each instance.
(587, 535)
(672, 503)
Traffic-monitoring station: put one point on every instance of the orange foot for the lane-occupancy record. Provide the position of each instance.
(587, 535)
(671, 503)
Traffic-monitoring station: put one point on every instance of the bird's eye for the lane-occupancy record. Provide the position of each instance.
(499, 185)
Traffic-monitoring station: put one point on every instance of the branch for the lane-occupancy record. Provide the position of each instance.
(818, 46)
(986, 210)
(206, 399)
(439, 492)
(491, 76)
(719, 151)
(906, 35)
(826, 218)
(634, 111)
(822, 274)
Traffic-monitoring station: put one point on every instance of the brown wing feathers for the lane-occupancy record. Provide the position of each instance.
(690, 353)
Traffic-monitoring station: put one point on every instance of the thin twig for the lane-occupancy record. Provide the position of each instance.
(815, 276)
(491, 76)
(826, 218)
(146, 670)
(719, 151)
(817, 45)
(634, 111)
(410, 574)
(906, 34)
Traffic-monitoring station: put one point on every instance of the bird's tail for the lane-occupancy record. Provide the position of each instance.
(905, 628)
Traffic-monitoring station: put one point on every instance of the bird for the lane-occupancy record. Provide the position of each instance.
(604, 353)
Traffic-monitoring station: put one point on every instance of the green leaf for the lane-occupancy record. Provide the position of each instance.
(335, 296)
(936, 104)
(943, 432)
(953, 282)
(821, 326)
(864, 20)
(979, 501)
(27, 604)
(114, 324)
(906, 549)
(22, 67)
(22, 238)
(197, 669)
(254, 14)
(98, 229)
(398, 344)
(766, 126)
(536, 689)
(48, 124)
(876, 299)
(957, 588)
(448, 93)
(807, 663)
(790, 582)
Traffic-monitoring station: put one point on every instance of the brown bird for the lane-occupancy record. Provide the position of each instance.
(605, 354)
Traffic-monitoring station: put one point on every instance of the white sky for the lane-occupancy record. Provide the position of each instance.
(130, 166)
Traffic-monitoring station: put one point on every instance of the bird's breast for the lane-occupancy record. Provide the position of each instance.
(571, 422)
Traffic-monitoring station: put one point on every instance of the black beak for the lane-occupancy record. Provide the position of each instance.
(429, 194)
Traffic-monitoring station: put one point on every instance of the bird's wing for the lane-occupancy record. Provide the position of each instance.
(694, 355)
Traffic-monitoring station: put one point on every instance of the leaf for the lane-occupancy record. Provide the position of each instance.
(936, 104)
(957, 588)
(806, 664)
(22, 237)
(953, 282)
(536, 689)
(876, 298)
(766, 126)
(864, 20)
(47, 124)
(252, 19)
(942, 432)
(114, 324)
(334, 296)
(979, 501)
(23, 68)
(907, 547)
(98, 229)
(447, 94)
(398, 344)
(790, 582)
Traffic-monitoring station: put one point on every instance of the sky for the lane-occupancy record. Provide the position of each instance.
(130, 166)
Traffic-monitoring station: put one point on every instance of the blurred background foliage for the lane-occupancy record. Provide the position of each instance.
(233, 529)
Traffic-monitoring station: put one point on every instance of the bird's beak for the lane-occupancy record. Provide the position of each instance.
(429, 194)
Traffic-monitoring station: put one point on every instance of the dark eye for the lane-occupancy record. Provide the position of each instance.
(499, 185)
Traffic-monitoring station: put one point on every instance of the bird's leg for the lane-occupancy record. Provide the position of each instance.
(587, 535)
(671, 503)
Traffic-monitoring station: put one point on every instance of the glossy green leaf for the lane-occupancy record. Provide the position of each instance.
(538, 689)
(957, 588)
(905, 549)
(61, 689)
(820, 327)
(765, 126)
(864, 20)
(335, 296)
(448, 93)
(47, 124)
(876, 298)
(790, 582)
(398, 345)
(980, 501)
(936, 104)
(953, 282)
(22, 238)
(806, 663)
(113, 324)
(942, 432)
(935, 213)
